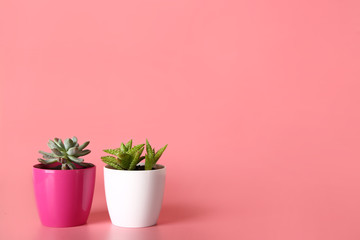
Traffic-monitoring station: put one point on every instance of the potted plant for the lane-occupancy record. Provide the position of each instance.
(64, 184)
(134, 191)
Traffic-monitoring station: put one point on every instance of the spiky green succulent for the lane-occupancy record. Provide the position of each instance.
(66, 152)
(151, 156)
(127, 157)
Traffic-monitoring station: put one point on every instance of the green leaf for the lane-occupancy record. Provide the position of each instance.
(47, 161)
(75, 159)
(109, 158)
(72, 151)
(149, 150)
(125, 162)
(136, 159)
(123, 156)
(59, 146)
(64, 166)
(82, 153)
(68, 143)
(84, 145)
(53, 145)
(115, 152)
(135, 149)
(71, 165)
(148, 146)
(47, 155)
(111, 161)
(74, 139)
(57, 152)
(123, 148)
(148, 163)
(60, 142)
(159, 153)
(129, 144)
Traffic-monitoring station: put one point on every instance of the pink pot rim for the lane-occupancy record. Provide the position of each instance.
(37, 167)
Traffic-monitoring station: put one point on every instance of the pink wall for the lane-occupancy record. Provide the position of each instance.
(258, 101)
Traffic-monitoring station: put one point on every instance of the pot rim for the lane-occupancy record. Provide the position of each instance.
(161, 168)
(37, 167)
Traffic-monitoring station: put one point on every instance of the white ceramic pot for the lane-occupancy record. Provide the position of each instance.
(134, 197)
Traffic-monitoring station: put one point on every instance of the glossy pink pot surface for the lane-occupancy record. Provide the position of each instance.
(63, 197)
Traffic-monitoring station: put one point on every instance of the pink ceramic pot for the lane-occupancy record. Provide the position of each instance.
(63, 197)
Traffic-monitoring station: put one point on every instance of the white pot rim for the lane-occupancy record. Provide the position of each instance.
(159, 167)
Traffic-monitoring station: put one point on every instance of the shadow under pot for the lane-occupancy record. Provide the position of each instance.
(63, 197)
(134, 197)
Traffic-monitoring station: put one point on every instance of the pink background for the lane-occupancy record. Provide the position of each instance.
(258, 101)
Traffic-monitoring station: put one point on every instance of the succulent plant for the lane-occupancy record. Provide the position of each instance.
(151, 156)
(66, 152)
(127, 157)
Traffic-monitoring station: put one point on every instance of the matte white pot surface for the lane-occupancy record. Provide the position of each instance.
(134, 198)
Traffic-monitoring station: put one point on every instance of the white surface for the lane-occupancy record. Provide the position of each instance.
(134, 198)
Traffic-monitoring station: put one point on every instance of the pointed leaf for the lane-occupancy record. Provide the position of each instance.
(135, 149)
(149, 150)
(115, 152)
(148, 146)
(57, 152)
(159, 153)
(123, 148)
(136, 159)
(56, 142)
(109, 158)
(148, 163)
(53, 145)
(74, 139)
(68, 143)
(82, 153)
(47, 161)
(129, 144)
(111, 161)
(84, 145)
(141, 151)
(47, 155)
(60, 143)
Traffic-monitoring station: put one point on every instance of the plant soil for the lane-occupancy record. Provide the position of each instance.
(140, 168)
